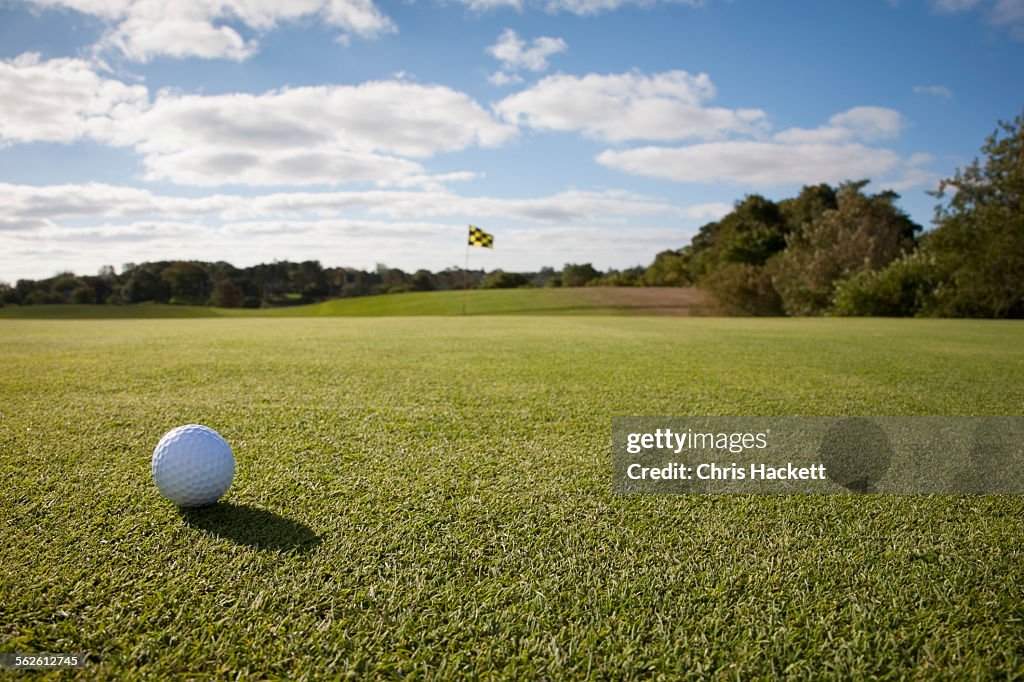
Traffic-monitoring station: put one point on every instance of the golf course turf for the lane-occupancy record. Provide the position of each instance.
(554, 301)
(430, 497)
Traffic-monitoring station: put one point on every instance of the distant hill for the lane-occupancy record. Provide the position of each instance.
(560, 301)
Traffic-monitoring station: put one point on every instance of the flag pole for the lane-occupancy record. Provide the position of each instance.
(465, 280)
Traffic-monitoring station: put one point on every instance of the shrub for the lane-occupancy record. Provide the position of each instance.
(906, 287)
(743, 289)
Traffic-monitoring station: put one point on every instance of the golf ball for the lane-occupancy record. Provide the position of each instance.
(193, 465)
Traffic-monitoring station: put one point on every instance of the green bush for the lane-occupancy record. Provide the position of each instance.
(906, 287)
(743, 289)
(83, 294)
(499, 279)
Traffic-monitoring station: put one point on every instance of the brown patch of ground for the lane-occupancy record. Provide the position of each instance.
(647, 300)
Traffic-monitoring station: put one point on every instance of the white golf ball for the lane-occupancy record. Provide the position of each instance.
(193, 465)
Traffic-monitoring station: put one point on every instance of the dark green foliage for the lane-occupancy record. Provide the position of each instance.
(669, 269)
(499, 279)
(767, 258)
(972, 264)
(863, 233)
(189, 282)
(808, 206)
(8, 294)
(743, 289)
(574, 275)
(630, 277)
(226, 294)
(144, 283)
(423, 280)
(64, 285)
(83, 294)
(978, 245)
(906, 287)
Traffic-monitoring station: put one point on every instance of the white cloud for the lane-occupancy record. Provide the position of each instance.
(211, 168)
(859, 123)
(755, 163)
(628, 106)
(914, 174)
(833, 153)
(84, 226)
(410, 245)
(144, 29)
(940, 91)
(578, 7)
(301, 136)
(488, 5)
(514, 53)
(58, 100)
(501, 78)
(955, 5)
(29, 203)
(1004, 13)
(1009, 13)
(334, 134)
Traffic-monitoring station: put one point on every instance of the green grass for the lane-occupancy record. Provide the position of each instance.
(431, 498)
(586, 301)
(68, 311)
(433, 303)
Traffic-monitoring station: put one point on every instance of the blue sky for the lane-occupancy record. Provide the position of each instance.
(356, 132)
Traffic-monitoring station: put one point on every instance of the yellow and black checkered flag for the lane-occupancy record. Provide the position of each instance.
(478, 237)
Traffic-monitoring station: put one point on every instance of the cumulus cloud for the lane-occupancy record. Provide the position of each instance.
(628, 106)
(59, 100)
(578, 7)
(29, 203)
(83, 226)
(514, 53)
(310, 135)
(859, 123)
(373, 132)
(352, 242)
(755, 163)
(940, 91)
(837, 151)
(1007, 14)
(501, 78)
(488, 5)
(144, 29)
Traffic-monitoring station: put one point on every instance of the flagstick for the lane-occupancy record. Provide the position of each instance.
(465, 280)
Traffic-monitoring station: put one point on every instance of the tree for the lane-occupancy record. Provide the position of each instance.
(574, 275)
(901, 289)
(668, 270)
(422, 280)
(188, 281)
(226, 294)
(743, 289)
(499, 279)
(83, 294)
(863, 232)
(64, 285)
(144, 284)
(978, 242)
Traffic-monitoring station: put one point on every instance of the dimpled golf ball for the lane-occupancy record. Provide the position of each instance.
(193, 465)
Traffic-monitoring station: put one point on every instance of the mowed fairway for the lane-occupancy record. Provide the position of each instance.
(430, 497)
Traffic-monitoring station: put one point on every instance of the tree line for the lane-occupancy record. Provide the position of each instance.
(828, 250)
(274, 284)
(846, 252)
